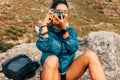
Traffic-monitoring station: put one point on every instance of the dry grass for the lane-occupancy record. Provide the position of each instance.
(19, 17)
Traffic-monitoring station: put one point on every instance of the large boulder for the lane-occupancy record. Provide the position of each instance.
(107, 47)
(105, 44)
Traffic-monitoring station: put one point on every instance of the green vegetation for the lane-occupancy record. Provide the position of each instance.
(12, 31)
(5, 46)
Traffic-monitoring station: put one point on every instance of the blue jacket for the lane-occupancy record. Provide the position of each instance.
(55, 44)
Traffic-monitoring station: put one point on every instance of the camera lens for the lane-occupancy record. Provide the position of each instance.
(59, 13)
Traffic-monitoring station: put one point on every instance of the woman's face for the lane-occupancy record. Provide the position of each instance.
(65, 10)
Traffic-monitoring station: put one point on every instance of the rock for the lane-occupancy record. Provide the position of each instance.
(107, 47)
(4, 2)
(105, 44)
(39, 22)
(26, 48)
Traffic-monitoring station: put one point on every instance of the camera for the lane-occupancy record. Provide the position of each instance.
(58, 12)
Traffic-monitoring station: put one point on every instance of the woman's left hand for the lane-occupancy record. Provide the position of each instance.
(61, 23)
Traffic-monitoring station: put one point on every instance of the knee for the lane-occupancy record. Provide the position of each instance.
(51, 62)
(91, 55)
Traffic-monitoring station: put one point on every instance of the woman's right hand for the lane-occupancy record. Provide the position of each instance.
(48, 18)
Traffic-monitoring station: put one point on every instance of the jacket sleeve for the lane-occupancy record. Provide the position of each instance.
(71, 42)
(43, 44)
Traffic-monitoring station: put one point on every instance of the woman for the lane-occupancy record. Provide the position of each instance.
(58, 43)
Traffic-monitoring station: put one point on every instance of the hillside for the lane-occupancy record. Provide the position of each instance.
(18, 18)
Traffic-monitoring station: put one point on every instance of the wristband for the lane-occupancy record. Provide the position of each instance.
(63, 31)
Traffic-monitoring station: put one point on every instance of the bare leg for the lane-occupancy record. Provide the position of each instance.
(87, 60)
(50, 69)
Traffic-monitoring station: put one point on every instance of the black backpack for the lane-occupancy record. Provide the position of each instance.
(19, 67)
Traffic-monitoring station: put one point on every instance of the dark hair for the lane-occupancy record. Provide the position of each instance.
(56, 2)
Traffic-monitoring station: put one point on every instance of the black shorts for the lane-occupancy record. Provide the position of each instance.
(63, 77)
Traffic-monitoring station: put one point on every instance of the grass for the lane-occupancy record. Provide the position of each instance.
(12, 31)
(5, 46)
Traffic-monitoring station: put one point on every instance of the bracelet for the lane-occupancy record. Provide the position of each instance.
(44, 33)
(43, 26)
